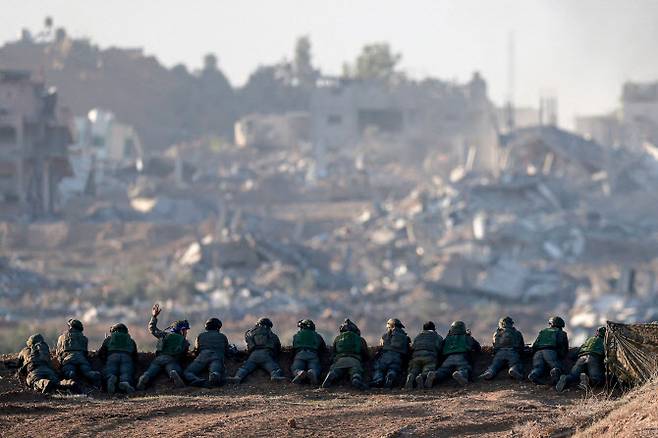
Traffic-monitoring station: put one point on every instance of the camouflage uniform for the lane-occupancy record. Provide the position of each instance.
(210, 348)
(34, 361)
(119, 351)
(395, 347)
(427, 346)
(72, 351)
(590, 364)
(170, 349)
(550, 347)
(308, 346)
(263, 347)
(457, 349)
(508, 346)
(350, 351)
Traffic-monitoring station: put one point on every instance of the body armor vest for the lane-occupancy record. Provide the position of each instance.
(38, 355)
(397, 341)
(426, 341)
(306, 339)
(455, 344)
(547, 338)
(173, 344)
(507, 338)
(75, 341)
(348, 344)
(593, 345)
(120, 342)
(212, 340)
(260, 337)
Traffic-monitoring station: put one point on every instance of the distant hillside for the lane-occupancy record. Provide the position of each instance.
(165, 105)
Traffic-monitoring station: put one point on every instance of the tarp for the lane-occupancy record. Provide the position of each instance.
(632, 351)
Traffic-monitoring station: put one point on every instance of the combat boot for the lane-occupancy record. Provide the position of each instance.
(584, 381)
(142, 382)
(390, 380)
(312, 377)
(409, 384)
(487, 375)
(555, 375)
(199, 383)
(111, 384)
(533, 377)
(126, 387)
(331, 376)
(214, 379)
(176, 379)
(277, 376)
(429, 380)
(299, 377)
(459, 377)
(236, 380)
(515, 374)
(358, 383)
(561, 384)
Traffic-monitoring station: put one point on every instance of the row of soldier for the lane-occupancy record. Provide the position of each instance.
(431, 358)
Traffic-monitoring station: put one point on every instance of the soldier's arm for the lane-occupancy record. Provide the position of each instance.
(564, 345)
(277, 345)
(323, 345)
(475, 345)
(153, 328)
(59, 350)
(365, 352)
(20, 361)
(134, 354)
(195, 351)
(520, 341)
(102, 351)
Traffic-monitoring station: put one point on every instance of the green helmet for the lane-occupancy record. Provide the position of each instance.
(505, 322)
(458, 328)
(556, 321)
(306, 324)
(265, 322)
(394, 323)
(120, 327)
(600, 332)
(349, 326)
(75, 324)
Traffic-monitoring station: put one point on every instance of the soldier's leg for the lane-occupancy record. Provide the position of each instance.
(174, 371)
(595, 369)
(462, 369)
(515, 364)
(538, 366)
(497, 364)
(333, 375)
(356, 377)
(314, 370)
(394, 370)
(379, 369)
(272, 367)
(429, 371)
(87, 371)
(126, 369)
(415, 369)
(112, 366)
(298, 368)
(215, 371)
(573, 375)
(69, 369)
(193, 370)
(150, 373)
(247, 368)
(553, 361)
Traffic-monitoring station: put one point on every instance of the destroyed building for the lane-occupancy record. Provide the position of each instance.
(33, 146)
(431, 114)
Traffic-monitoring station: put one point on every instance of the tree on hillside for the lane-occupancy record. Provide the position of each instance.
(376, 61)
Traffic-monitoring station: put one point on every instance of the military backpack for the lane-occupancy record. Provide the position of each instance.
(397, 341)
(547, 338)
(120, 342)
(593, 345)
(348, 344)
(427, 341)
(212, 340)
(75, 341)
(173, 344)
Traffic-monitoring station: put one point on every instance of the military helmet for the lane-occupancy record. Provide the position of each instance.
(75, 324)
(306, 324)
(457, 328)
(34, 339)
(120, 327)
(349, 326)
(429, 325)
(600, 332)
(556, 321)
(394, 323)
(213, 324)
(179, 325)
(265, 322)
(505, 322)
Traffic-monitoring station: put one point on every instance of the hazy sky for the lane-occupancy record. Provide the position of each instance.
(578, 50)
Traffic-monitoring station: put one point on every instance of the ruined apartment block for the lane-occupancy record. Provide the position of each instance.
(33, 146)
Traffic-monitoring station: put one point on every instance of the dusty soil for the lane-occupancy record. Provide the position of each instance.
(261, 408)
